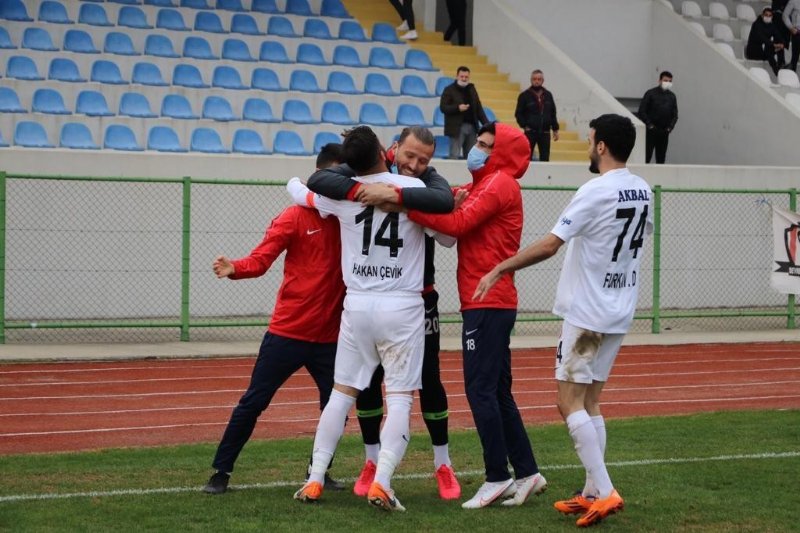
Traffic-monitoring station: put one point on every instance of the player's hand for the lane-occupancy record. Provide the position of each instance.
(223, 267)
(459, 198)
(486, 283)
(376, 194)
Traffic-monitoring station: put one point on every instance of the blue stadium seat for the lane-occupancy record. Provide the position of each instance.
(188, 76)
(376, 83)
(208, 21)
(177, 106)
(382, 58)
(164, 139)
(133, 17)
(147, 74)
(438, 117)
(374, 115)
(384, 33)
(120, 137)
(5, 40)
(413, 85)
(336, 113)
(79, 41)
(63, 69)
(411, 115)
(38, 39)
(310, 54)
(298, 7)
(442, 83)
(419, 60)
(227, 78)
(120, 44)
(288, 143)
(14, 10)
(442, 150)
(77, 136)
(333, 8)
(159, 3)
(22, 68)
(207, 140)
(264, 6)
(341, 82)
(197, 48)
(237, 50)
(352, 31)
(316, 28)
(218, 108)
(325, 137)
(106, 72)
(274, 52)
(489, 114)
(266, 79)
(93, 14)
(305, 81)
(54, 12)
(195, 4)
(135, 105)
(245, 24)
(171, 19)
(258, 110)
(346, 56)
(93, 104)
(159, 45)
(3, 142)
(9, 101)
(31, 135)
(132, 2)
(246, 141)
(230, 5)
(49, 101)
(297, 111)
(281, 27)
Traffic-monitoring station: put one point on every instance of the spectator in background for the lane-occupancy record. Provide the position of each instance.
(463, 113)
(791, 19)
(405, 9)
(777, 8)
(765, 42)
(457, 11)
(536, 114)
(659, 111)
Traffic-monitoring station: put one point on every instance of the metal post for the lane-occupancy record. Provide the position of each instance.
(656, 326)
(185, 253)
(2, 257)
(790, 304)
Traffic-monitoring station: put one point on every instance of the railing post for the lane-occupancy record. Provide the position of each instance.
(656, 326)
(2, 257)
(790, 304)
(185, 256)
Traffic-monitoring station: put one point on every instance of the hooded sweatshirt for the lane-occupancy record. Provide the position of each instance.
(488, 225)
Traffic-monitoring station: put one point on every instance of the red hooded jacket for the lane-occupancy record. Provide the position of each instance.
(488, 225)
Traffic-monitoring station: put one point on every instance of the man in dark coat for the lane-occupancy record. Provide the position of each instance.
(765, 42)
(463, 113)
(536, 114)
(659, 111)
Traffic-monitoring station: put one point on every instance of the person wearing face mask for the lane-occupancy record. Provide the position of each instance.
(536, 114)
(488, 226)
(791, 19)
(659, 111)
(765, 42)
(463, 113)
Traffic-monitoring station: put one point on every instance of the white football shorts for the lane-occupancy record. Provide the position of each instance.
(585, 356)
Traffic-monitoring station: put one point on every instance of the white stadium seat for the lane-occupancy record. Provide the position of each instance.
(691, 9)
(745, 33)
(726, 50)
(745, 12)
(722, 32)
(696, 26)
(788, 78)
(717, 10)
(794, 100)
(761, 76)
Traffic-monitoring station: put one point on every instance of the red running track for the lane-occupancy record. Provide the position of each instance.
(89, 405)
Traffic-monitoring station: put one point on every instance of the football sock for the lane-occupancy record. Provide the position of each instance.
(329, 431)
(371, 451)
(587, 446)
(600, 426)
(441, 456)
(394, 437)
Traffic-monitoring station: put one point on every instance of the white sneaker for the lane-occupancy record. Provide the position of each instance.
(535, 484)
(489, 492)
(410, 36)
(403, 26)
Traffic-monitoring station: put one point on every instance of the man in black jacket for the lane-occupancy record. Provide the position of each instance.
(536, 114)
(659, 111)
(765, 42)
(463, 114)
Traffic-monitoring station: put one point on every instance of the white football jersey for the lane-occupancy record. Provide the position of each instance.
(604, 225)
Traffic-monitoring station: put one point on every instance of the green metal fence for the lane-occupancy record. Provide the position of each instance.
(110, 259)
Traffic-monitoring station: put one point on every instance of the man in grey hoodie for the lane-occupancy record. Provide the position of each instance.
(791, 18)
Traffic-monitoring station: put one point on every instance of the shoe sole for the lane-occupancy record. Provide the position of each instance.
(512, 501)
(383, 505)
(616, 509)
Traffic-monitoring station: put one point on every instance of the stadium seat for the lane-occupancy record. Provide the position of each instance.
(22, 68)
(288, 143)
(164, 139)
(325, 137)
(171, 19)
(9, 101)
(133, 17)
(761, 76)
(411, 115)
(77, 136)
(413, 85)
(207, 140)
(316, 28)
(120, 44)
(381, 57)
(227, 78)
(159, 45)
(188, 76)
(298, 7)
(106, 72)
(441, 83)
(722, 32)
(244, 24)
(265, 79)
(333, 8)
(135, 105)
(195, 4)
(31, 135)
(384, 33)
(305, 81)
(49, 101)
(297, 111)
(147, 74)
(264, 6)
(419, 60)
(489, 114)
(93, 14)
(120, 137)
(79, 41)
(744, 33)
(230, 5)
(376, 83)
(159, 3)
(14, 10)
(788, 78)
(38, 39)
(691, 9)
(341, 82)
(246, 141)
(726, 49)
(258, 110)
(63, 69)
(236, 50)
(274, 52)
(696, 26)
(177, 106)
(718, 10)
(745, 12)
(310, 54)
(442, 150)
(438, 117)
(218, 108)
(336, 113)
(53, 12)
(5, 40)
(3, 143)
(93, 104)
(130, 2)
(352, 31)
(197, 48)
(793, 99)
(374, 115)
(208, 21)
(346, 56)
(281, 27)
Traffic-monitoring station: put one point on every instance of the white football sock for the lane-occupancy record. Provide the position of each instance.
(371, 451)
(600, 426)
(394, 436)
(441, 456)
(329, 431)
(587, 446)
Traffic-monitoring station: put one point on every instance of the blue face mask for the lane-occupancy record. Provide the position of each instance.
(393, 170)
(476, 159)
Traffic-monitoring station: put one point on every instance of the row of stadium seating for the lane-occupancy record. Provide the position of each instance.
(746, 11)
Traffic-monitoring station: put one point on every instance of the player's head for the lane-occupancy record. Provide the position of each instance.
(329, 155)
(610, 136)
(414, 150)
(362, 151)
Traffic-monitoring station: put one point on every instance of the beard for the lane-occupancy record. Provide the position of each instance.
(593, 163)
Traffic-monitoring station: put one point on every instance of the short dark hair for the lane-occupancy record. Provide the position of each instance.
(487, 128)
(361, 148)
(462, 68)
(422, 134)
(537, 71)
(330, 154)
(766, 8)
(617, 133)
(665, 74)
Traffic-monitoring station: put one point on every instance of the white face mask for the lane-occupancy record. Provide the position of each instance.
(462, 83)
(666, 85)
(767, 20)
